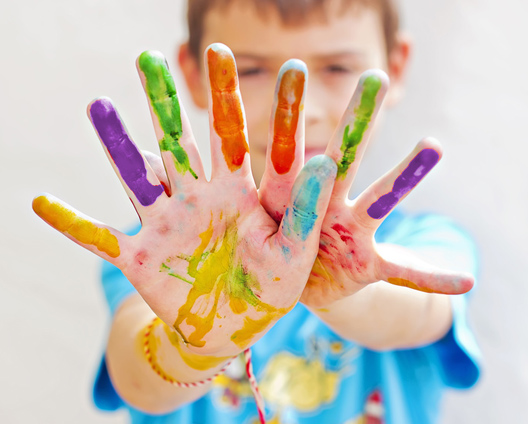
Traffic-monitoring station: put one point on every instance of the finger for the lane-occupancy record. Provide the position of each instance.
(98, 238)
(157, 166)
(229, 146)
(177, 146)
(138, 179)
(301, 224)
(419, 275)
(351, 136)
(375, 203)
(285, 153)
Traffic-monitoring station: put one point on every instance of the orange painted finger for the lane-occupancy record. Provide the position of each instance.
(98, 238)
(229, 141)
(285, 153)
(352, 134)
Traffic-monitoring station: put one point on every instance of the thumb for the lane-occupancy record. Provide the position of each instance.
(309, 198)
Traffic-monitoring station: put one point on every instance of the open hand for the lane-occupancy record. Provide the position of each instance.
(208, 260)
(348, 257)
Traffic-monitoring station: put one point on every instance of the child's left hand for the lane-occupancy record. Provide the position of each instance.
(348, 257)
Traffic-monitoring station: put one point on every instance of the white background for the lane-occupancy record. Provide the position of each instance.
(467, 87)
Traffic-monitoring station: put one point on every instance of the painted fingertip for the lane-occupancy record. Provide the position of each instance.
(374, 79)
(372, 86)
(101, 105)
(431, 143)
(158, 79)
(289, 92)
(416, 170)
(161, 90)
(219, 48)
(293, 64)
(227, 110)
(65, 220)
(150, 58)
(222, 67)
(322, 165)
(123, 151)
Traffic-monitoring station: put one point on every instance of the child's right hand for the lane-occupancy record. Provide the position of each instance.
(208, 260)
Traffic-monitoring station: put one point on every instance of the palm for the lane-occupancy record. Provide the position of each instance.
(348, 257)
(208, 260)
(214, 266)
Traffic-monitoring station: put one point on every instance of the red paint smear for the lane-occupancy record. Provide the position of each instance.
(344, 234)
(228, 119)
(286, 120)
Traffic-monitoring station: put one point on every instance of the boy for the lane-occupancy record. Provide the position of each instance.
(355, 353)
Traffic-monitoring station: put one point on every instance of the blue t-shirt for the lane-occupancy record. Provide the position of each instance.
(309, 375)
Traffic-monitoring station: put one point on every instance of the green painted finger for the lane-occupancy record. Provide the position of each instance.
(161, 91)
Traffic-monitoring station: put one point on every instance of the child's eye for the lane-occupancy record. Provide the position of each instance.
(338, 69)
(251, 71)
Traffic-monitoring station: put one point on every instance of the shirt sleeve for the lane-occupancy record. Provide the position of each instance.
(116, 288)
(440, 238)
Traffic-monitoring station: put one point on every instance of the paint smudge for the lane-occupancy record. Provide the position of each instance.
(81, 229)
(289, 99)
(228, 118)
(216, 274)
(197, 362)
(418, 168)
(363, 115)
(161, 91)
(123, 152)
(302, 216)
(406, 283)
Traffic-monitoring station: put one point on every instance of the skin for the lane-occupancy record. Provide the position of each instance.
(336, 52)
(216, 269)
(269, 239)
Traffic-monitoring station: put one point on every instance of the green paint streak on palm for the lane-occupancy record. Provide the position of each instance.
(352, 139)
(162, 93)
(215, 271)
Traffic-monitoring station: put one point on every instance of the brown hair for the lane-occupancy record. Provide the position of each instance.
(291, 12)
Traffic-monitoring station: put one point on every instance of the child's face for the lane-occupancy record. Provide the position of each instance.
(336, 53)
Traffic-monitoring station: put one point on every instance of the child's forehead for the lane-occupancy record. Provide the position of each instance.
(251, 33)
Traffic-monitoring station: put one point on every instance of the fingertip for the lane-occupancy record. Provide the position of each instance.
(218, 48)
(322, 165)
(467, 283)
(375, 78)
(293, 64)
(100, 107)
(432, 144)
(38, 203)
(148, 58)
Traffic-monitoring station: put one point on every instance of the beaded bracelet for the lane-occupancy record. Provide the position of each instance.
(249, 371)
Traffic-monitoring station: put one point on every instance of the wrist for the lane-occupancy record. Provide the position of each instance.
(170, 357)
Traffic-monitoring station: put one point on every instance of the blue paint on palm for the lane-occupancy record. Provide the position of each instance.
(304, 213)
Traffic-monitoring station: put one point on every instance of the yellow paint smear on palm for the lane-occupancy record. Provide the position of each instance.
(219, 274)
(198, 362)
(81, 229)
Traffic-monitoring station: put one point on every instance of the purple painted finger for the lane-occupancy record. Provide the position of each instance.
(123, 151)
(418, 168)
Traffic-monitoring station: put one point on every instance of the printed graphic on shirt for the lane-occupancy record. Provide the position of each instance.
(374, 410)
(233, 385)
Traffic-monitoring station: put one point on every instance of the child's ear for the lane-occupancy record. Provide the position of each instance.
(192, 72)
(398, 62)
